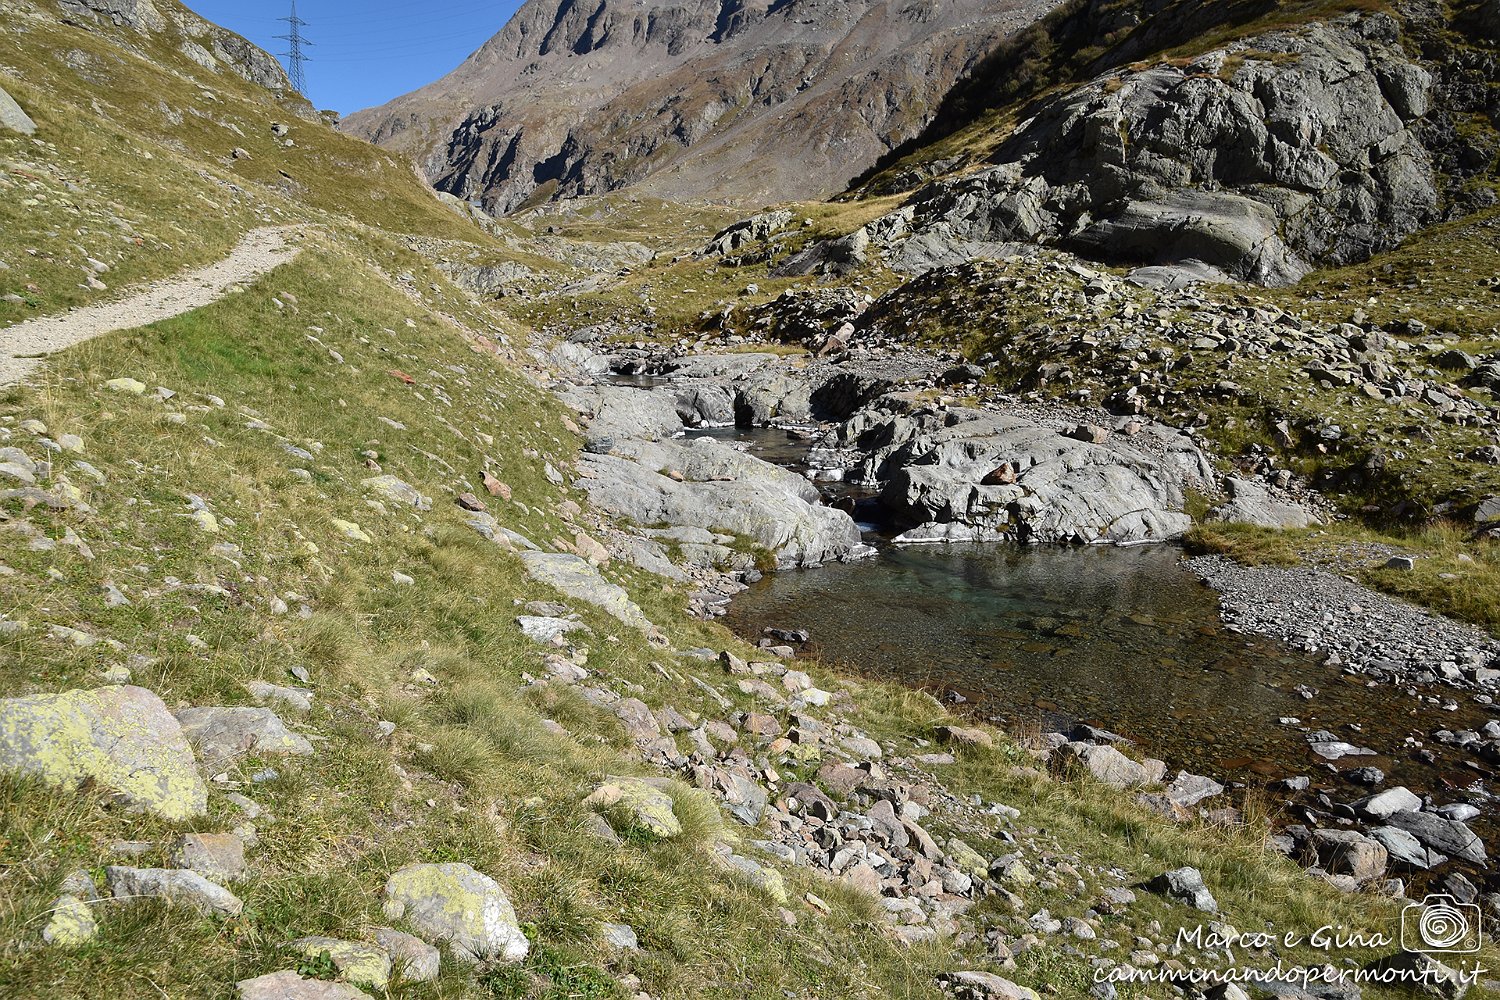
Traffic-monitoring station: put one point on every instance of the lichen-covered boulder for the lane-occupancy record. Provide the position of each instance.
(637, 805)
(120, 738)
(966, 859)
(454, 903)
(222, 734)
(768, 880)
(357, 961)
(71, 923)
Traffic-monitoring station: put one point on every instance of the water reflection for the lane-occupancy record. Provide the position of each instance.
(1123, 638)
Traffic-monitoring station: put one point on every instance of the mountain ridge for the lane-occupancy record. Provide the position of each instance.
(681, 100)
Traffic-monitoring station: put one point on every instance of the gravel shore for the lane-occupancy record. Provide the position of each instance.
(1370, 633)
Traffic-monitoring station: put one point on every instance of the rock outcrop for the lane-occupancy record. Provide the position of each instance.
(975, 475)
(720, 489)
(573, 576)
(709, 495)
(201, 41)
(1263, 160)
(744, 99)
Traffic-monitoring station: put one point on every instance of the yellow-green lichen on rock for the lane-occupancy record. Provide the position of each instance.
(71, 923)
(638, 805)
(967, 859)
(455, 903)
(121, 738)
(764, 878)
(357, 961)
(350, 530)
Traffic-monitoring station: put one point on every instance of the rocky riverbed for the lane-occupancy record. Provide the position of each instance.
(888, 434)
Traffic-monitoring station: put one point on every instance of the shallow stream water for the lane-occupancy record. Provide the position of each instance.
(1126, 639)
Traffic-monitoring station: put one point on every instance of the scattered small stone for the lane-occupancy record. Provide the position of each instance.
(1186, 885)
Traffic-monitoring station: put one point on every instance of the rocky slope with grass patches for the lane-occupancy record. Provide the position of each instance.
(1261, 147)
(712, 99)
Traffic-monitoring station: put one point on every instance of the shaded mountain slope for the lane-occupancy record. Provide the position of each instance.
(728, 99)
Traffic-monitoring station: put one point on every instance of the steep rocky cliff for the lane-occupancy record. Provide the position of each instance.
(1258, 159)
(746, 100)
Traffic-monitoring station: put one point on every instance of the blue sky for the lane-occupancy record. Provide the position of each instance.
(365, 53)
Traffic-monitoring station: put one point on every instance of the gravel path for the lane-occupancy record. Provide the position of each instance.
(24, 345)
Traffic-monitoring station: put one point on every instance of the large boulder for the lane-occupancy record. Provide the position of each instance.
(1253, 503)
(1015, 478)
(456, 904)
(619, 413)
(1187, 789)
(1445, 835)
(119, 738)
(1185, 885)
(577, 578)
(1402, 847)
(1397, 798)
(705, 484)
(637, 804)
(1111, 766)
(745, 232)
(1349, 852)
(174, 885)
(12, 117)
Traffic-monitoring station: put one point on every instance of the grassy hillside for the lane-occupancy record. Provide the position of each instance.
(149, 162)
(216, 528)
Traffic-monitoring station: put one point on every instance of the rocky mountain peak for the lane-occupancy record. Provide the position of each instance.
(740, 100)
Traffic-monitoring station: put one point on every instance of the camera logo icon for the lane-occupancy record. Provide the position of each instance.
(1440, 924)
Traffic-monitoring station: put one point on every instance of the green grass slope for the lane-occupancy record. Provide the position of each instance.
(268, 411)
